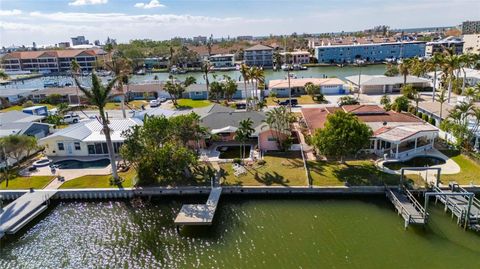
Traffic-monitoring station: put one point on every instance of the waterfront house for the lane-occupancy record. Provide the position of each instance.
(380, 84)
(297, 85)
(86, 138)
(297, 57)
(14, 96)
(397, 135)
(369, 52)
(20, 123)
(222, 61)
(199, 91)
(259, 55)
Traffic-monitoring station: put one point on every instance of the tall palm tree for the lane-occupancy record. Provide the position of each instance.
(243, 133)
(75, 69)
(404, 68)
(258, 77)
(121, 67)
(278, 119)
(245, 71)
(466, 61)
(450, 65)
(206, 66)
(441, 98)
(98, 96)
(432, 65)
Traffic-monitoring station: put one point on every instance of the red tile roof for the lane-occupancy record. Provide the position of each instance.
(68, 53)
(363, 109)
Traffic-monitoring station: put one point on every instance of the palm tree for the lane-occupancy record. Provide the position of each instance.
(75, 69)
(404, 68)
(432, 65)
(3, 75)
(258, 76)
(98, 96)
(121, 67)
(206, 69)
(441, 98)
(278, 119)
(245, 71)
(466, 61)
(243, 133)
(451, 63)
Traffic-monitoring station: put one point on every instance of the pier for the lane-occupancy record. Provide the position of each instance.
(462, 204)
(199, 214)
(407, 206)
(24, 209)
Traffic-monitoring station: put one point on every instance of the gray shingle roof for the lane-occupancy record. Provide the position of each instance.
(259, 47)
(18, 116)
(220, 120)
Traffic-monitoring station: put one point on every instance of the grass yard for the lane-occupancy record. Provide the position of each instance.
(356, 173)
(99, 181)
(302, 100)
(189, 103)
(20, 108)
(469, 173)
(36, 182)
(280, 169)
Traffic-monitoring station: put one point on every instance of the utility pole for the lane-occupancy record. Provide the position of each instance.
(359, 78)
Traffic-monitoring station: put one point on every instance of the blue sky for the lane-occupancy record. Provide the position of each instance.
(53, 21)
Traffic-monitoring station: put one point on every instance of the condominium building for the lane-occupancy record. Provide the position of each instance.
(222, 60)
(439, 46)
(79, 40)
(259, 55)
(297, 57)
(373, 52)
(50, 61)
(200, 39)
(470, 27)
(471, 43)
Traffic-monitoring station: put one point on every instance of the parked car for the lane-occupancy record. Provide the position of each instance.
(154, 103)
(241, 105)
(71, 118)
(294, 102)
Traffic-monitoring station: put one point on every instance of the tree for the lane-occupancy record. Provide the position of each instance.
(400, 104)
(404, 69)
(230, 87)
(98, 96)
(16, 147)
(441, 98)
(216, 90)
(392, 70)
(206, 69)
(258, 77)
(433, 64)
(244, 70)
(413, 94)
(243, 133)
(75, 69)
(121, 68)
(176, 89)
(279, 120)
(347, 100)
(3, 75)
(342, 135)
(313, 90)
(386, 102)
(450, 66)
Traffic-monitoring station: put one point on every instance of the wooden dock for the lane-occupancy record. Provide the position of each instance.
(462, 205)
(407, 206)
(200, 214)
(21, 211)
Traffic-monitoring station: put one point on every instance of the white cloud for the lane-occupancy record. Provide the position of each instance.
(152, 4)
(10, 12)
(87, 2)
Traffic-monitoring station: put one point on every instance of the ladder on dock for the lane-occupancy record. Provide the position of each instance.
(462, 204)
(199, 214)
(20, 212)
(407, 206)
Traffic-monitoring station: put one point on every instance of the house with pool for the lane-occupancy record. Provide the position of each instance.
(86, 138)
(297, 85)
(396, 135)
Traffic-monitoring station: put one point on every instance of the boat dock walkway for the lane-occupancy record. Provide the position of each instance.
(462, 204)
(407, 206)
(200, 214)
(21, 211)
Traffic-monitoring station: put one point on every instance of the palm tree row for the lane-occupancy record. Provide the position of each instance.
(256, 76)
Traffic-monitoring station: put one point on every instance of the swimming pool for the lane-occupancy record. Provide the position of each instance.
(75, 164)
(419, 161)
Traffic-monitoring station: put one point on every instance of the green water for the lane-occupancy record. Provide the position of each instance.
(254, 233)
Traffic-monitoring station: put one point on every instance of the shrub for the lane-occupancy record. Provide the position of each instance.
(420, 115)
(432, 121)
(28, 104)
(411, 109)
(261, 162)
(425, 117)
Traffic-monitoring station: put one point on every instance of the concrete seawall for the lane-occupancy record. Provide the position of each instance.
(110, 193)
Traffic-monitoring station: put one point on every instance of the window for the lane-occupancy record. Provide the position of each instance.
(271, 138)
(91, 149)
(77, 146)
(98, 148)
(105, 148)
(60, 146)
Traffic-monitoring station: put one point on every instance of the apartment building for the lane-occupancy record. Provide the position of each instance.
(50, 61)
(297, 57)
(439, 46)
(259, 55)
(222, 60)
(470, 27)
(471, 43)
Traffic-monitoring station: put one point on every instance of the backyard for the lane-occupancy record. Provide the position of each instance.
(280, 169)
(469, 173)
(99, 181)
(356, 173)
(302, 100)
(189, 103)
(36, 182)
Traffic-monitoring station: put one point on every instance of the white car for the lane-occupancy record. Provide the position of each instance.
(71, 118)
(154, 103)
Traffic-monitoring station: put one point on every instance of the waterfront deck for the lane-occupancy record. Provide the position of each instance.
(200, 214)
(407, 206)
(21, 211)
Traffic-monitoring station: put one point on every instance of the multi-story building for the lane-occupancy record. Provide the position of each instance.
(373, 52)
(63, 44)
(79, 40)
(245, 38)
(50, 61)
(222, 60)
(297, 57)
(259, 55)
(470, 27)
(439, 46)
(471, 43)
(200, 39)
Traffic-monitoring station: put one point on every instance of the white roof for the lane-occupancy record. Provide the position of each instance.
(368, 80)
(154, 112)
(228, 129)
(469, 72)
(403, 132)
(91, 130)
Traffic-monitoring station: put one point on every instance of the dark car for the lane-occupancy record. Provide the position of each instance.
(294, 102)
(241, 105)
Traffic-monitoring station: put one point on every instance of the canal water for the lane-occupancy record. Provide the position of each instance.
(253, 233)
(324, 71)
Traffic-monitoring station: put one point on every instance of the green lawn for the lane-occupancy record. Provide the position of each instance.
(99, 181)
(356, 173)
(280, 169)
(469, 169)
(36, 182)
(20, 108)
(189, 103)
